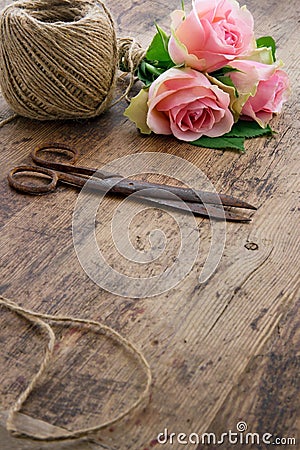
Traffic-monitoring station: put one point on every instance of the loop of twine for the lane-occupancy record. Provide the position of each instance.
(59, 59)
(130, 55)
(36, 318)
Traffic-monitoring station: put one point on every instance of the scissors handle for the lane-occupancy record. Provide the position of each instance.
(27, 172)
(73, 154)
(35, 188)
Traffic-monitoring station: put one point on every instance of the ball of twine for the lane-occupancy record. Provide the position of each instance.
(59, 58)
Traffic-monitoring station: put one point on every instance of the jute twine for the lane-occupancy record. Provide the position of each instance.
(39, 320)
(59, 59)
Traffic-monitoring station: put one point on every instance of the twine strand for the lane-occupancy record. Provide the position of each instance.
(8, 119)
(131, 55)
(37, 319)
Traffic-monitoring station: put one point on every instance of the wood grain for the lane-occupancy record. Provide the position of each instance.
(220, 352)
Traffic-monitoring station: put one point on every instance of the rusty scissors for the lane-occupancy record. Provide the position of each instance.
(201, 203)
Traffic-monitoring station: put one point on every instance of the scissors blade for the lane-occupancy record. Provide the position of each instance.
(208, 210)
(153, 195)
(128, 186)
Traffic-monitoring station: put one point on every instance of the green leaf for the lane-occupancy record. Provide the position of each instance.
(223, 71)
(228, 82)
(157, 59)
(158, 49)
(248, 129)
(221, 75)
(143, 74)
(147, 72)
(236, 137)
(222, 142)
(267, 41)
(156, 71)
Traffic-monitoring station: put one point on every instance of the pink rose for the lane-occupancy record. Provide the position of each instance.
(213, 33)
(183, 102)
(264, 88)
(269, 98)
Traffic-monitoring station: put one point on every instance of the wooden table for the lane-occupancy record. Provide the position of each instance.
(220, 352)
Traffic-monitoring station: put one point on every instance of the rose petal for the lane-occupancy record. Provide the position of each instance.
(185, 103)
(213, 33)
(158, 122)
(137, 111)
(221, 127)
